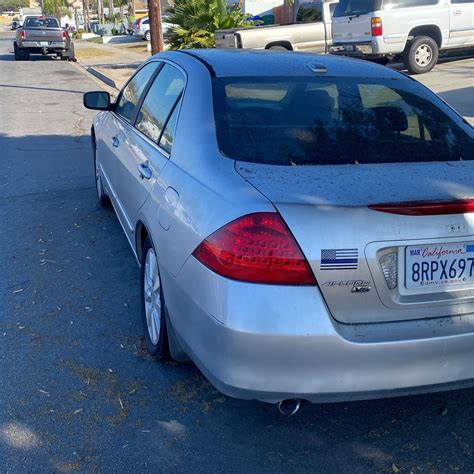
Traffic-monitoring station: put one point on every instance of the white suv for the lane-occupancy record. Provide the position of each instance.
(413, 30)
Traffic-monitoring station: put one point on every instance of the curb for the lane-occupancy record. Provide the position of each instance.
(102, 77)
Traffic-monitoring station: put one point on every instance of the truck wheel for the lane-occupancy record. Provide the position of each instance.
(19, 54)
(421, 55)
(278, 48)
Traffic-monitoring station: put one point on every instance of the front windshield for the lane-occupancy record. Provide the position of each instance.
(331, 121)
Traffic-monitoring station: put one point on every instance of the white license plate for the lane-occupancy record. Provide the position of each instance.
(44, 43)
(439, 265)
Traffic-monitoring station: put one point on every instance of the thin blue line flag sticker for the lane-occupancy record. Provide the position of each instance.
(339, 259)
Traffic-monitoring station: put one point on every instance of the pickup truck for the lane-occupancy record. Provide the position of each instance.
(42, 35)
(311, 31)
(415, 31)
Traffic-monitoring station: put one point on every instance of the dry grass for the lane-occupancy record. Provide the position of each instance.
(88, 52)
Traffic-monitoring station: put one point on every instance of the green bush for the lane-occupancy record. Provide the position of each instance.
(197, 20)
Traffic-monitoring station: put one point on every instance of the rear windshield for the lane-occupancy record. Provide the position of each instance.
(316, 121)
(41, 23)
(356, 7)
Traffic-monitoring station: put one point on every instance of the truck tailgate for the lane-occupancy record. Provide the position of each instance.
(225, 38)
(43, 34)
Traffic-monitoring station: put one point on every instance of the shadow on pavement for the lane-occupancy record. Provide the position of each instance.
(460, 99)
(41, 88)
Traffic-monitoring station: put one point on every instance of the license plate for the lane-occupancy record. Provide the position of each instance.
(348, 48)
(439, 265)
(44, 43)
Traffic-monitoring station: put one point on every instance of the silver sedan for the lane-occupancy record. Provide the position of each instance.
(304, 224)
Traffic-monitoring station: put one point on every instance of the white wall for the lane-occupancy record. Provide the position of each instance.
(259, 7)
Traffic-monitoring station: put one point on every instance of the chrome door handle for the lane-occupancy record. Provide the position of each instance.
(145, 171)
(115, 142)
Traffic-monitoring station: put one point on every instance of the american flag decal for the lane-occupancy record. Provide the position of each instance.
(339, 259)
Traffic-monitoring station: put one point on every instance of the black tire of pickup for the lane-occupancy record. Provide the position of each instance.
(19, 54)
(421, 55)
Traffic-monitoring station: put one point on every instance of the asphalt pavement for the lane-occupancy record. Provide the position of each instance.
(78, 392)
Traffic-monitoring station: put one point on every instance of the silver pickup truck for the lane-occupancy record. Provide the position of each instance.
(42, 35)
(311, 31)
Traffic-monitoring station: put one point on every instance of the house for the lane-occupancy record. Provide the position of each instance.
(271, 11)
(140, 7)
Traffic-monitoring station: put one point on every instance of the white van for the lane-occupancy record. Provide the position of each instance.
(412, 30)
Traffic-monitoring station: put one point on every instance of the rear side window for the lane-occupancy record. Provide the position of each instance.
(159, 104)
(312, 121)
(130, 95)
(356, 7)
(390, 4)
(309, 12)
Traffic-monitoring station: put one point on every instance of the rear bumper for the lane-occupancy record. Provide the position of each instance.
(40, 46)
(271, 343)
(376, 48)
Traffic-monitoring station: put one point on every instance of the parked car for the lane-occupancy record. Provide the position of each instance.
(42, 35)
(414, 31)
(303, 223)
(311, 31)
(141, 27)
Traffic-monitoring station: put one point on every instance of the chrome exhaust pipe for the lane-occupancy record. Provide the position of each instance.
(289, 407)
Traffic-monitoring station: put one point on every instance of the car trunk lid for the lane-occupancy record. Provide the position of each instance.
(327, 210)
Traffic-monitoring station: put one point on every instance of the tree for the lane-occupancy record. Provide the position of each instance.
(13, 5)
(197, 20)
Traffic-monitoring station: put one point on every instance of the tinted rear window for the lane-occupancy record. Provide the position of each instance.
(356, 7)
(316, 121)
(41, 23)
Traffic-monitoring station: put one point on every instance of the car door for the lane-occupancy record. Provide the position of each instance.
(145, 151)
(461, 23)
(313, 36)
(116, 127)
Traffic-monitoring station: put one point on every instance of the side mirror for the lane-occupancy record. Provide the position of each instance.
(97, 100)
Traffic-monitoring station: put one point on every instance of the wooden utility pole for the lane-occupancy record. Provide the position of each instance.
(156, 31)
(111, 10)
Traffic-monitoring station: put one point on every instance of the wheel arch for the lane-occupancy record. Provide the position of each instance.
(285, 44)
(433, 31)
(141, 234)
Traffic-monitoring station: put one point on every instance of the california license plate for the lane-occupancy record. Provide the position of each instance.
(439, 265)
(44, 43)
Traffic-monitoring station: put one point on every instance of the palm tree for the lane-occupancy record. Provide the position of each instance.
(197, 20)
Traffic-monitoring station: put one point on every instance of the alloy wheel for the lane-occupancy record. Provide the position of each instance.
(152, 296)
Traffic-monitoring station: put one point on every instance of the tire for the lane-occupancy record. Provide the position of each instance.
(421, 55)
(102, 198)
(153, 304)
(147, 36)
(71, 53)
(278, 48)
(19, 54)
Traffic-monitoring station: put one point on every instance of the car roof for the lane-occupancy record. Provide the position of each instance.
(242, 62)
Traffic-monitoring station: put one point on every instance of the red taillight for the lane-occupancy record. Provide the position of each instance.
(257, 248)
(376, 26)
(426, 208)
(22, 34)
(64, 36)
